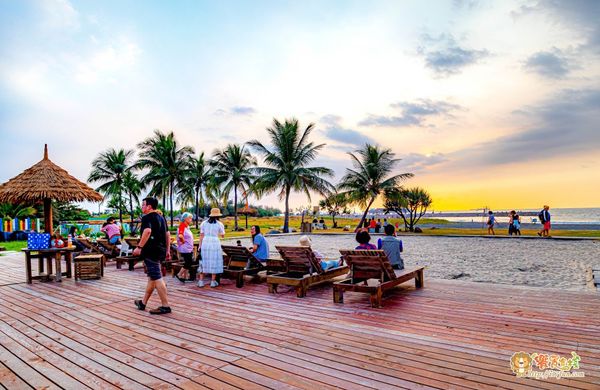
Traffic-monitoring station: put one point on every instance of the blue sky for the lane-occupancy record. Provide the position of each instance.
(485, 101)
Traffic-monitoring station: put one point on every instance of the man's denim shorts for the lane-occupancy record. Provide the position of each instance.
(153, 269)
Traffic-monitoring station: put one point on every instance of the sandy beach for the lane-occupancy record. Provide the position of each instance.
(542, 263)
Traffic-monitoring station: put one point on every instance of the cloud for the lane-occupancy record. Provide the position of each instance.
(413, 114)
(565, 125)
(551, 65)
(579, 15)
(416, 162)
(446, 57)
(59, 14)
(336, 132)
(236, 111)
(347, 136)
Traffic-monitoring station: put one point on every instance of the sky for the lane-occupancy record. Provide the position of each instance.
(489, 103)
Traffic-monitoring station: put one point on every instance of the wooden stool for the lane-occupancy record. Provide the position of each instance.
(90, 266)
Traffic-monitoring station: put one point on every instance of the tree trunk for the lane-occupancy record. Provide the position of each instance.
(197, 206)
(333, 221)
(362, 220)
(131, 208)
(171, 201)
(286, 218)
(235, 224)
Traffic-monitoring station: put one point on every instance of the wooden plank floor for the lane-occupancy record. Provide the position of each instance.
(450, 334)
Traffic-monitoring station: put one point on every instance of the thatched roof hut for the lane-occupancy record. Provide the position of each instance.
(46, 181)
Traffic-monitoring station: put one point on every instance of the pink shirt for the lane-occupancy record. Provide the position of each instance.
(111, 229)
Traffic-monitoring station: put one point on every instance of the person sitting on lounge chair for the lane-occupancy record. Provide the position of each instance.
(325, 264)
(392, 247)
(260, 247)
(363, 237)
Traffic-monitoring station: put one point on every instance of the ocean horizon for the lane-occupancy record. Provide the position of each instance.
(583, 215)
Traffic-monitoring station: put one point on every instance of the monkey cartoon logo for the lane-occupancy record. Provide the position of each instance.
(520, 363)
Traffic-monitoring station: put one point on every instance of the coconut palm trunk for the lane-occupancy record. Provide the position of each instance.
(197, 205)
(286, 218)
(364, 216)
(235, 216)
(131, 209)
(171, 200)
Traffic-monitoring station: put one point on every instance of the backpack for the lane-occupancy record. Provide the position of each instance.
(541, 216)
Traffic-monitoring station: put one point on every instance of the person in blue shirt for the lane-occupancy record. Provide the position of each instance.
(260, 247)
(392, 247)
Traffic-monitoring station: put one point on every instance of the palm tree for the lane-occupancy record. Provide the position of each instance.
(166, 162)
(133, 190)
(287, 162)
(195, 186)
(231, 169)
(370, 178)
(111, 167)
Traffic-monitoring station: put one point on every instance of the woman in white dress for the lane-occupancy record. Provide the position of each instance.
(210, 247)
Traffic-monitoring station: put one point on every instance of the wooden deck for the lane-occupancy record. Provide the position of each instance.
(450, 334)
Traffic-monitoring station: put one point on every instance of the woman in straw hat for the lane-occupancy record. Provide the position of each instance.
(210, 247)
(325, 264)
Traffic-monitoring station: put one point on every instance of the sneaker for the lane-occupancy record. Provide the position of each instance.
(161, 310)
(182, 280)
(139, 304)
(214, 283)
(201, 283)
(539, 234)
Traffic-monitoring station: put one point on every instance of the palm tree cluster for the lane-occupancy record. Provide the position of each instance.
(169, 170)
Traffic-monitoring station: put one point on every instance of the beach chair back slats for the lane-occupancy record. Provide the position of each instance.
(240, 257)
(299, 259)
(369, 264)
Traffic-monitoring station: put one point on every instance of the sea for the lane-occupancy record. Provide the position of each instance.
(583, 216)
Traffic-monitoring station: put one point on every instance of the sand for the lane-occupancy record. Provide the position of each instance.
(538, 262)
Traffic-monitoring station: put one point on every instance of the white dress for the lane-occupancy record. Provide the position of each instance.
(212, 254)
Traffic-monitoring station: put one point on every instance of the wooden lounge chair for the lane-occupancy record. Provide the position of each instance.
(239, 261)
(303, 270)
(372, 265)
(110, 250)
(89, 245)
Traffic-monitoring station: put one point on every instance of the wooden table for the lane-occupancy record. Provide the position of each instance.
(55, 254)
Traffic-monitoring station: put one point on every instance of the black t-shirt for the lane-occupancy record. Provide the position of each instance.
(155, 248)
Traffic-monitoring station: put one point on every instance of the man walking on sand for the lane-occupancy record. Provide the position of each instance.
(154, 247)
(545, 221)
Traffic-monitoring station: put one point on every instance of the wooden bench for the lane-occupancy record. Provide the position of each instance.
(371, 272)
(239, 262)
(303, 270)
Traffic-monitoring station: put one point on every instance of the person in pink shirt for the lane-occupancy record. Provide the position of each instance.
(112, 230)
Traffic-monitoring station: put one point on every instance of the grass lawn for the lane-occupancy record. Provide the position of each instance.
(13, 245)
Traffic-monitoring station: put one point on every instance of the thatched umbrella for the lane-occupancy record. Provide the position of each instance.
(44, 182)
(247, 211)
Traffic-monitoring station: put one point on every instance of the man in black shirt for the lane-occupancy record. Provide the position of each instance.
(154, 247)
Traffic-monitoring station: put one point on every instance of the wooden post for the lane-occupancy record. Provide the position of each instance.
(48, 215)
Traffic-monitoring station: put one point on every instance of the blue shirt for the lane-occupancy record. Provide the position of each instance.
(262, 250)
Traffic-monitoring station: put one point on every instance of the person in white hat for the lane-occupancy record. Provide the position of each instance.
(210, 247)
(325, 264)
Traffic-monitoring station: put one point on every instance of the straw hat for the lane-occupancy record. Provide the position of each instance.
(215, 212)
(304, 241)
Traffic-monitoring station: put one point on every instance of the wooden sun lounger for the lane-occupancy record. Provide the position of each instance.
(92, 247)
(239, 261)
(372, 264)
(110, 251)
(303, 270)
